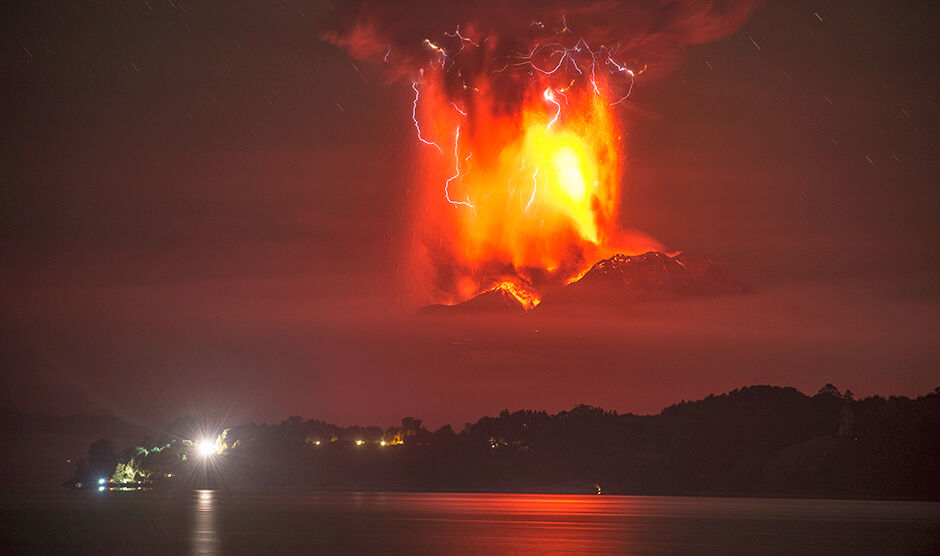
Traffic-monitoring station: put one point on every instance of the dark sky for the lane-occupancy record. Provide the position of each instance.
(204, 204)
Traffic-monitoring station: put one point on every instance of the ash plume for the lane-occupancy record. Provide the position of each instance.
(651, 33)
(528, 91)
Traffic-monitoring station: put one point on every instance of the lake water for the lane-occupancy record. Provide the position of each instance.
(213, 522)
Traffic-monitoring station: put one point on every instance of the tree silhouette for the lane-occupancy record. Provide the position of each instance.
(757, 440)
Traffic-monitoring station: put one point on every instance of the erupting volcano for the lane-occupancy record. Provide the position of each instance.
(518, 137)
(532, 183)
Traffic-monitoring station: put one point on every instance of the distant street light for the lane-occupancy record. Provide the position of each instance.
(206, 448)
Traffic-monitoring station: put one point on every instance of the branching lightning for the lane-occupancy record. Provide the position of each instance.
(463, 39)
(437, 49)
(525, 97)
(564, 61)
(568, 56)
(574, 157)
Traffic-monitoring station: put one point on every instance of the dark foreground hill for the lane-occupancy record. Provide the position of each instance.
(40, 449)
(759, 440)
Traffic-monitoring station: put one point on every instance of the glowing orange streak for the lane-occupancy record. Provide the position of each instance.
(437, 49)
(523, 296)
(462, 38)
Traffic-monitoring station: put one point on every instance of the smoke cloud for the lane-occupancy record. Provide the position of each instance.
(529, 91)
(652, 33)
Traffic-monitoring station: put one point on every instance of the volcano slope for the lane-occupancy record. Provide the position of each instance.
(615, 283)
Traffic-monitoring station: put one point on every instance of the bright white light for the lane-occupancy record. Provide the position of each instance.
(101, 489)
(359, 442)
(100, 481)
(383, 443)
(568, 173)
(206, 448)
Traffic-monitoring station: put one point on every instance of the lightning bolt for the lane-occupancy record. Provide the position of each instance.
(414, 118)
(545, 60)
(568, 56)
(462, 38)
(550, 97)
(456, 173)
(535, 185)
(627, 71)
(437, 49)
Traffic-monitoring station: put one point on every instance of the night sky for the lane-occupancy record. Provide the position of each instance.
(204, 207)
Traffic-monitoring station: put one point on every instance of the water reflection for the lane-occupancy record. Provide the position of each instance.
(504, 524)
(205, 535)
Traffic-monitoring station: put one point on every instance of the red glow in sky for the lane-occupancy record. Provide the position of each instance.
(217, 209)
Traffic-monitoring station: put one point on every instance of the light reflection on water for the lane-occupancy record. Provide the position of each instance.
(205, 534)
(452, 524)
